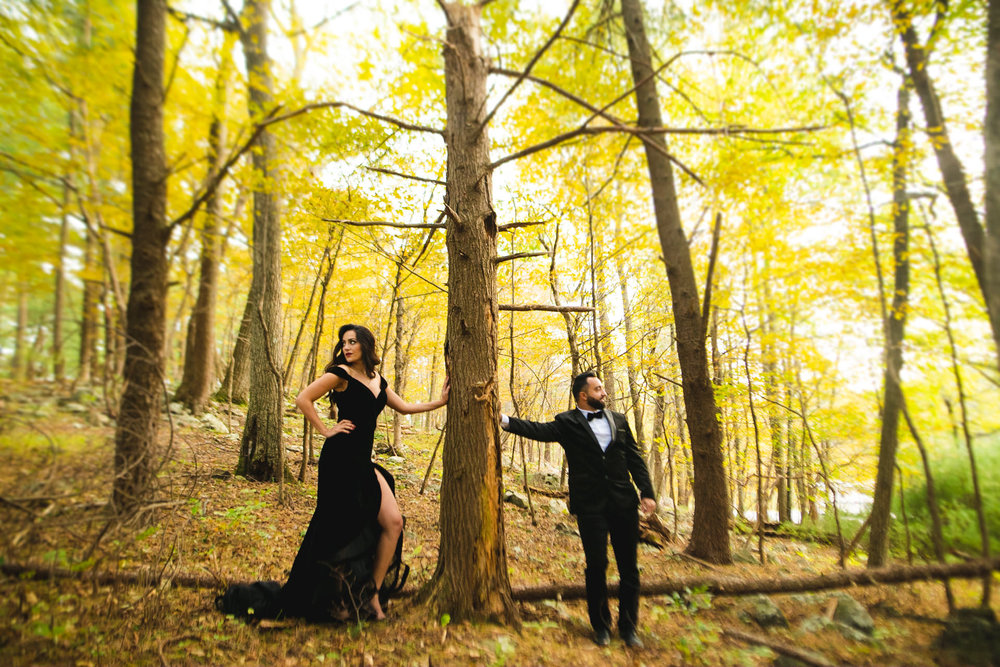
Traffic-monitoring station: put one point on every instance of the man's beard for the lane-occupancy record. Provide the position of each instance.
(594, 404)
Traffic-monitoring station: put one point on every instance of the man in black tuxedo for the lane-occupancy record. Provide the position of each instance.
(601, 453)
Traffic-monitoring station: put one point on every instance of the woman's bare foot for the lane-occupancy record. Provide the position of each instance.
(376, 608)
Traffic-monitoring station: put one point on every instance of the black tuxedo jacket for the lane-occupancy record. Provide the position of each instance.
(596, 478)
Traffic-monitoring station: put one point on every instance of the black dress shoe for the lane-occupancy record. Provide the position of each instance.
(602, 637)
(632, 640)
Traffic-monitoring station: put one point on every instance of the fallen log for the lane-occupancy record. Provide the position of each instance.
(736, 586)
(717, 586)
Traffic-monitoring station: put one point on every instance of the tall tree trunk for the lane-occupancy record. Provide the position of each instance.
(58, 357)
(878, 544)
(399, 368)
(19, 362)
(235, 385)
(659, 443)
(631, 368)
(991, 136)
(607, 356)
(710, 529)
(87, 371)
(261, 446)
(574, 348)
(955, 183)
(199, 355)
(136, 446)
(769, 367)
(471, 578)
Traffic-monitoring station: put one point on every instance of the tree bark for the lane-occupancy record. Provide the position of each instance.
(19, 360)
(878, 539)
(715, 586)
(991, 136)
(955, 183)
(199, 355)
(87, 371)
(471, 579)
(631, 367)
(710, 529)
(58, 356)
(574, 348)
(735, 586)
(261, 448)
(136, 446)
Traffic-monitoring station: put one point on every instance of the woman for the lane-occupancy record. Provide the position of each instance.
(354, 533)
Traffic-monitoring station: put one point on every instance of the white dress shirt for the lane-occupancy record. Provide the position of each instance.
(600, 427)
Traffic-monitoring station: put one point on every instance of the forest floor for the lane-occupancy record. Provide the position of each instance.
(56, 456)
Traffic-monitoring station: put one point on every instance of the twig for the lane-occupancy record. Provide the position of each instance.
(808, 657)
(531, 64)
(422, 179)
(551, 309)
(431, 463)
(385, 223)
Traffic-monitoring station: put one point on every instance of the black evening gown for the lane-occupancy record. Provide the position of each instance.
(331, 577)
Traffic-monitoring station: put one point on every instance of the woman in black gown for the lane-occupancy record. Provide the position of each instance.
(353, 537)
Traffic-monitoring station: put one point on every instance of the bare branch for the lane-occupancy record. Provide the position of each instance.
(543, 307)
(184, 17)
(531, 64)
(516, 225)
(520, 255)
(384, 223)
(390, 172)
(712, 257)
(272, 118)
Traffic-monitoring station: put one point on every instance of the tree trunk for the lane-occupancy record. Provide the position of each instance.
(235, 385)
(659, 443)
(574, 348)
(991, 135)
(471, 579)
(955, 182)
(261, 448)
(606, 367)
(58, 357)
(399, 369)
(710, 529)
(87, 371)
(136, 446)
(769, 368)
(878, 545)
(19, 361)
(199, 356)
(631, 368)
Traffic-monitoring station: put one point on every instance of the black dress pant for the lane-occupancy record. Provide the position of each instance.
(623, 527)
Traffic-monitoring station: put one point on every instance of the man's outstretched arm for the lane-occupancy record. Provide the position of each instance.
(541, 431)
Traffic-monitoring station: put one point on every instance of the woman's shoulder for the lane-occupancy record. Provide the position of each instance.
(339, 370)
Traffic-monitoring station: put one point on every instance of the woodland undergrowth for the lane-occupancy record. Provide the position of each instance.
(55, 476)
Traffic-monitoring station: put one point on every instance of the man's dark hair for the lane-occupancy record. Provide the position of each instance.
(580, 381)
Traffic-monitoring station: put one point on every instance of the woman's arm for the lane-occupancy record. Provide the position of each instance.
(394, 401)
(321, 386)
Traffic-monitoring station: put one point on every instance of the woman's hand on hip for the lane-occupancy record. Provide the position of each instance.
(343, 426)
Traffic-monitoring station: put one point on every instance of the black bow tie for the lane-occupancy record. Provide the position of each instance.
(595, 415)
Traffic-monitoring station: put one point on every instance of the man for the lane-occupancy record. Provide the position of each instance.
(601, 453)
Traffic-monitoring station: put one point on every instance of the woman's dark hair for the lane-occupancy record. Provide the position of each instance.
(367, 341)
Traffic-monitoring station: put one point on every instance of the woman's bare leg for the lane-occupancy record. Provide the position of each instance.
(391, 521)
